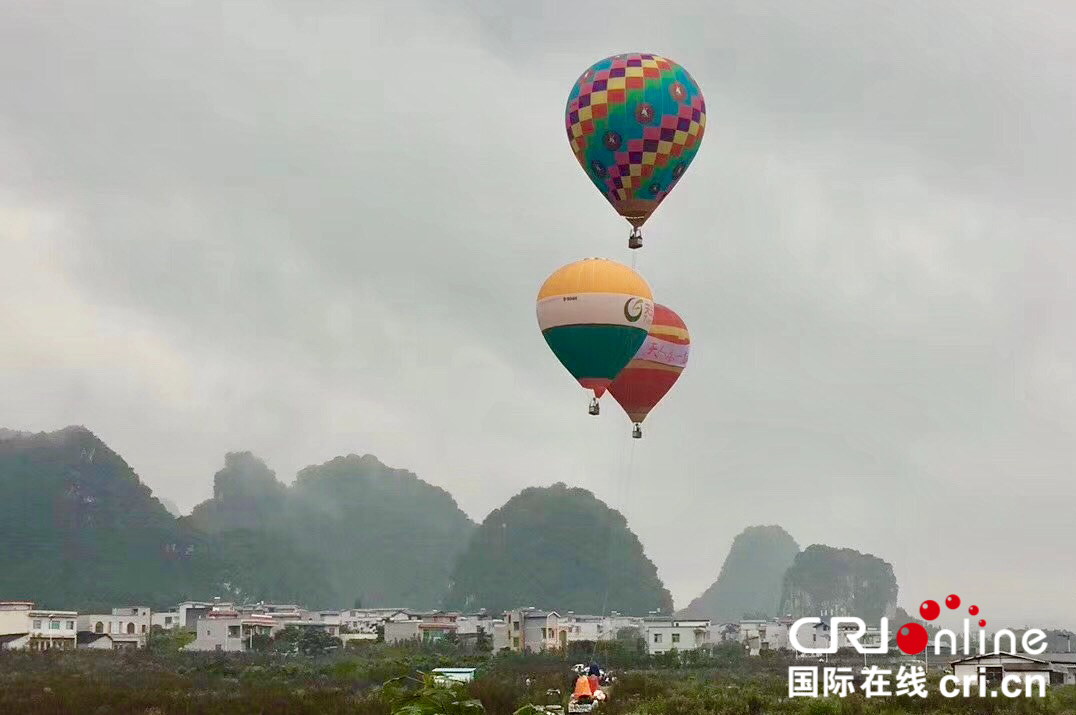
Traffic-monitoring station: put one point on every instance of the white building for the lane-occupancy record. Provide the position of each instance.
(332, 618)
(586, 628)
(814, 636)
(276, 611)
(993, 667)
(229, 632)
(23, 626)
(367, 620)
(756, 635)
(665, 634)
(165, 620)
(433, 625)
(403, 631)
(191, 611)
(1063, 666)
(128, 626)
(469, 624)
(500, 638)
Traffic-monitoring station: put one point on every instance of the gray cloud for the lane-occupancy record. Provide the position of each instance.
(311, 229)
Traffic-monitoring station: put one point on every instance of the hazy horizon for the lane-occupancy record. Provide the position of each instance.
(311, 230)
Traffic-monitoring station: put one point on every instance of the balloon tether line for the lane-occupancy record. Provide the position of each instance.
(622, 496)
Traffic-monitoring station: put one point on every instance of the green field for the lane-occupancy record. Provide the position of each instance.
(381, 680)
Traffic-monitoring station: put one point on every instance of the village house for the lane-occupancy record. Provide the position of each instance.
(665, 634)
(535, 631)
(229, 631)
(367, 620)
(127, 626)
(332, 618)
(276, 611)
(167, 620)
(190, 611)
(764, 635)
(424, 626)
(586, 628)
(1063, 667)
(93, 641)
(24, 627)
(402, 631)
(993, 667)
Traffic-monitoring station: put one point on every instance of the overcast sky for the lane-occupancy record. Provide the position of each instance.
(313, 228)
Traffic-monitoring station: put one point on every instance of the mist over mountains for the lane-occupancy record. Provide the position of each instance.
(82, 531)
(377, 534)
(751, 578)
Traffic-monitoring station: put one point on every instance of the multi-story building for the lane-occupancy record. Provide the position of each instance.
(166, 620)
(428, 626)
(24, 627)
(190, 611)
(764, 635)
(128, 626)
(367, 620)
(532, 630)
(229, 631)
(665, 634)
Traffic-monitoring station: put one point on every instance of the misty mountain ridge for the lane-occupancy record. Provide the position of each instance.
(82, 531)
(557, 547)
(839, 582)
(382, 535)
(751, 578)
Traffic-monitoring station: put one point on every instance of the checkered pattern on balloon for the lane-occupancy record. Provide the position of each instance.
(635, 123)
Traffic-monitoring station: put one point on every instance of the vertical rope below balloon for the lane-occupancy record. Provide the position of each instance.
(623, 485)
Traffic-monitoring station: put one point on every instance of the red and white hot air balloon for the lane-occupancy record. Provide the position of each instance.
(655, 368)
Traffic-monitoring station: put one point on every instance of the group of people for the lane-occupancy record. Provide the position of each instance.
(589, 684)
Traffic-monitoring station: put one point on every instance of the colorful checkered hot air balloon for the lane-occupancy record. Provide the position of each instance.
(654, 369)
(594, 315)
(635, 122)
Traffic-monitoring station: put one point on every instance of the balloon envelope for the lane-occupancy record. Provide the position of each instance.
(594, 315)
(635, 122)
(656, 366)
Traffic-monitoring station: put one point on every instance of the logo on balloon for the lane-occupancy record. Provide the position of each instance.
(633, 309)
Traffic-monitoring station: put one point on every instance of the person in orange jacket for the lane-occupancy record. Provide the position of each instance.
(582, 688)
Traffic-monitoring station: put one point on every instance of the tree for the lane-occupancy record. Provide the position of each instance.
(483, 643)
(308, 641)
(316, 641)
(556, 547)
(261, 642)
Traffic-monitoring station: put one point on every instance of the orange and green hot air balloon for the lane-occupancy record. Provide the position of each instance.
(654, 369)
(594, 315)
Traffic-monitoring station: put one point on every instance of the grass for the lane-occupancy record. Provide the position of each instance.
(384, 681)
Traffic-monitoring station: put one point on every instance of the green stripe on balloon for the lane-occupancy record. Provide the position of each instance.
(595, 351)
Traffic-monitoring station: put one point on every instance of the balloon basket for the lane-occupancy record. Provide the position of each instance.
(595, 408)
(635, 240)
(637, 432)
